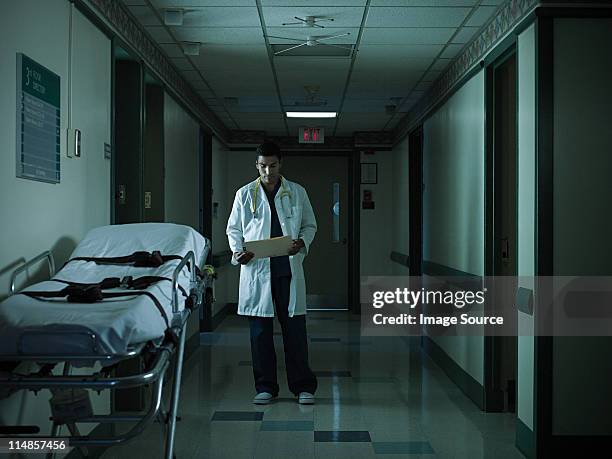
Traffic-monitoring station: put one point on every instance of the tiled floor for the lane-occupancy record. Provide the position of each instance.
(377, 398)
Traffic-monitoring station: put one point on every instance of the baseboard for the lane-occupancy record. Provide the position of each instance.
(525, 439)
(227, 310)
(472, 388)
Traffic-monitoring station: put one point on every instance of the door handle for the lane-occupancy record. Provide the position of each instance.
(505, 249)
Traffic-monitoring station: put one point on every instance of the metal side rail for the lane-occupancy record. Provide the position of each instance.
(154, 376)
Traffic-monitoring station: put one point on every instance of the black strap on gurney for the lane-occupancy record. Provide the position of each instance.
(77, 292)
(137, 259)
(129, 282)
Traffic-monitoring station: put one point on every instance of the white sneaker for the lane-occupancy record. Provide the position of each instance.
(306, 398)
(263, 398)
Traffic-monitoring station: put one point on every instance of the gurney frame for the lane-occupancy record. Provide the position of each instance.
(153, 375)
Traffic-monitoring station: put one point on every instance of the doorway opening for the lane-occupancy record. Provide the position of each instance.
(501, 222)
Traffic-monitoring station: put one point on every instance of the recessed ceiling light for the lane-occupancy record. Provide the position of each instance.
(311, 114)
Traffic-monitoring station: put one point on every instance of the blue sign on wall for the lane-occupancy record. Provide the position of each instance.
(38, 121)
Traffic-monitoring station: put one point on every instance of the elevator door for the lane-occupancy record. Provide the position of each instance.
(326, 266)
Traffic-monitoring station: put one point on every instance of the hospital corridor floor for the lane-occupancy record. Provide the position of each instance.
(378, 397)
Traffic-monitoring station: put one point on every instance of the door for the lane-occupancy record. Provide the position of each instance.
(506, 211)
(326, 266)
(501, 210)
(128, 139)
(153, 152)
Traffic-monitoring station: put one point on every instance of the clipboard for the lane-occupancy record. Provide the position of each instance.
(267, 248)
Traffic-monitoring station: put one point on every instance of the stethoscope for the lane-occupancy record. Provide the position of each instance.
(284, 193)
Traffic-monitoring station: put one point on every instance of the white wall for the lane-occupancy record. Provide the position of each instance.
(181, 174)
(526, 74)
(453, 200)
(375, 231)
(182, 164)
(38, 216)
(401, 214)
(582, 217)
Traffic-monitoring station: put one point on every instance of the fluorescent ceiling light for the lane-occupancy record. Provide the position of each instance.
(311, 114)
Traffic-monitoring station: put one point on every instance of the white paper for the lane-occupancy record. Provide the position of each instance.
(275, 247)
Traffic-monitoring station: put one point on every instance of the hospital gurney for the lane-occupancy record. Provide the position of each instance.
(126, 291)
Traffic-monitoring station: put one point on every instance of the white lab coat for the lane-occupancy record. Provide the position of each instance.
(297, 220)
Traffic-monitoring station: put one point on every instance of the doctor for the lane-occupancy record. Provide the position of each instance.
(272, 206)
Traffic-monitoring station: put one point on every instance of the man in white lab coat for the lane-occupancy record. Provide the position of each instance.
(272, 206)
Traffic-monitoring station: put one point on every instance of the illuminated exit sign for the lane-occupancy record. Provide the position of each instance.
(311, 135)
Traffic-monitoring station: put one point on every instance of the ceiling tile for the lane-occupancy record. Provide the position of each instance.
(292, 90)
(423, 2)
(373, 63)
(399, 51)
(181, 63)
(249, 110)
(199, 85)
(311, 65)
(220, 36)
(240, 87)
(416, 17)
(376, 88)
(365, 105)
(199, 3)
(481, 16)
(465, 34)
(432, 75)
(441, 64)
(221, 16)
(159, 34)
(309, 3)
(259, 121)
(212, 102)
(401, 35)
(232, 58)
(422, 86)
(451, 51)
(145, 15)
(191, 75)
(205, 93)
(172, 50)
(342, 16)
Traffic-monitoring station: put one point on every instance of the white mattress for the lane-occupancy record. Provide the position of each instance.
(51, 326)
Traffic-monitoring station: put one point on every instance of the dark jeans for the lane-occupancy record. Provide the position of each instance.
(299, 374)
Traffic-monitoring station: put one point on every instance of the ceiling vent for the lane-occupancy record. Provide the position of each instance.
(173, 17)
(191, 48)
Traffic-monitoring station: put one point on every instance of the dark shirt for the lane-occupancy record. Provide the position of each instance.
(279, 266)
